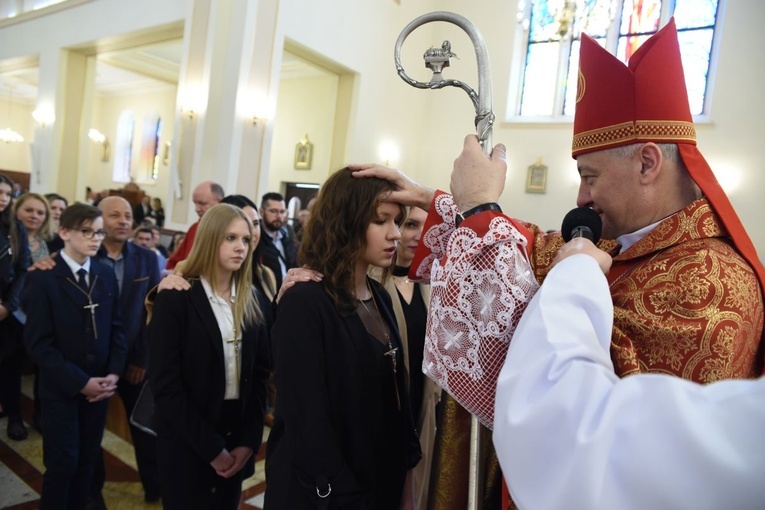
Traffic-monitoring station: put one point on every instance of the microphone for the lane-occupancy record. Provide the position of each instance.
(582, 222)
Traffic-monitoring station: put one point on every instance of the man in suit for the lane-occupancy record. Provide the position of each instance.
(137, 271)
(74, 334)
(277, 251)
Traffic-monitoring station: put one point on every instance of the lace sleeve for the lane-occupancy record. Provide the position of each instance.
(479, 290)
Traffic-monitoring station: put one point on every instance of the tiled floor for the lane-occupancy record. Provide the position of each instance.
(21, 471)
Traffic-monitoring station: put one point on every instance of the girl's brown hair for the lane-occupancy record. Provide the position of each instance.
(335, 236)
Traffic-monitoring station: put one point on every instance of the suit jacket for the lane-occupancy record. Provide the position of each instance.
(59, 334)
(270, 255)
(187, 374)
(140, 274)
(12, 275)
(328, 408)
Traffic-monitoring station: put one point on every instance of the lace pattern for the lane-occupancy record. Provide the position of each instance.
(478, 294)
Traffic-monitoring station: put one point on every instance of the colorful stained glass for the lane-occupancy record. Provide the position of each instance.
(627, 46)
(593, 17)
(543, 24)
(640, 16)
(540, 81)
(637, 21)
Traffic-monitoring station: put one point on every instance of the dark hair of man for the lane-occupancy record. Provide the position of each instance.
(144, 230)
(239, 201)
(8, 220)
(75, 216)
(217, 190)
(335, 236)
(276, 197)
(50, 197)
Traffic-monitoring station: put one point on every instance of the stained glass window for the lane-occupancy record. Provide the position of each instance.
(553, 30)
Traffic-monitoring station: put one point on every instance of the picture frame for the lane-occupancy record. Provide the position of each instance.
(303, 154)
(536, 178)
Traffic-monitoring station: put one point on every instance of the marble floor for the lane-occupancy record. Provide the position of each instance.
(21, 470)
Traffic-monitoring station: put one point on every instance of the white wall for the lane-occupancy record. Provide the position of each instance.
(306, 106)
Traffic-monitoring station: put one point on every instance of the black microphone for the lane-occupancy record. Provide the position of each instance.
(582, 222)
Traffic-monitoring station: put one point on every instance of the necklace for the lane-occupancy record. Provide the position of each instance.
(91, 305)
(391, 350)
(236, 340)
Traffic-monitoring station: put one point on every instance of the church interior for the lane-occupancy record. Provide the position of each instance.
(275, 95)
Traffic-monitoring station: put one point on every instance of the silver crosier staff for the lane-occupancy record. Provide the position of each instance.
(436, 59)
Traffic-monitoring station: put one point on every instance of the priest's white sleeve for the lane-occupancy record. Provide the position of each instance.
(570, 434)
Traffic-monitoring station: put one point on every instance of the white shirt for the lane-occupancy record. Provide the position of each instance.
(570, 434)
(225, 318)
(75, 267)
(627, 240)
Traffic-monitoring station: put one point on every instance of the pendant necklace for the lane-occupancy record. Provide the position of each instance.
(235, 339)
(391, 350)
(91, 305)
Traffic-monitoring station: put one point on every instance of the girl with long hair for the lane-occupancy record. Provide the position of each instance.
(14, 261)
(208, 369)
(343, 435)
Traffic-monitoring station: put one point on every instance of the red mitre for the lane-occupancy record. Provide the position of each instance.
(646, 101)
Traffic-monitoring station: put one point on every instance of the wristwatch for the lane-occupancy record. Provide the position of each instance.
(462, 216)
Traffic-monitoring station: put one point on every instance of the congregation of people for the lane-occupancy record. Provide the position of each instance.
(365, 331)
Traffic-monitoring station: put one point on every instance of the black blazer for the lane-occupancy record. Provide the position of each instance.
(328, 406)
(187, 374)
(140, 274)
(59, 331)
(270, 255)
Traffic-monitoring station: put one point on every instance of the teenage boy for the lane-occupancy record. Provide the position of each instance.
(74, 335)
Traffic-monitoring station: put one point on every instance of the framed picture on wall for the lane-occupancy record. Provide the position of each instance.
(536, 179)
(303, 154)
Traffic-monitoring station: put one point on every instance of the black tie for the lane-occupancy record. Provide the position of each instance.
(81, 281)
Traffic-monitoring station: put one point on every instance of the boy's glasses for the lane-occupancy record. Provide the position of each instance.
(89, 233)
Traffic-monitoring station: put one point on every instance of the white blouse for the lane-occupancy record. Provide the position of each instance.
(224, 315)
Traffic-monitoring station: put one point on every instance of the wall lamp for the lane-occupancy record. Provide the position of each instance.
(99, 138)
(44, 116)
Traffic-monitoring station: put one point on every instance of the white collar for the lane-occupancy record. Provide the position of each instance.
(74, 266)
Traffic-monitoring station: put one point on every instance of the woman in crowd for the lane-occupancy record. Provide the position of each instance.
(33, 211)
(209, 369)
(157, 212)
(175, 243)
(14, 261)
(344, 436)
(410, 306)
(57, 205)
